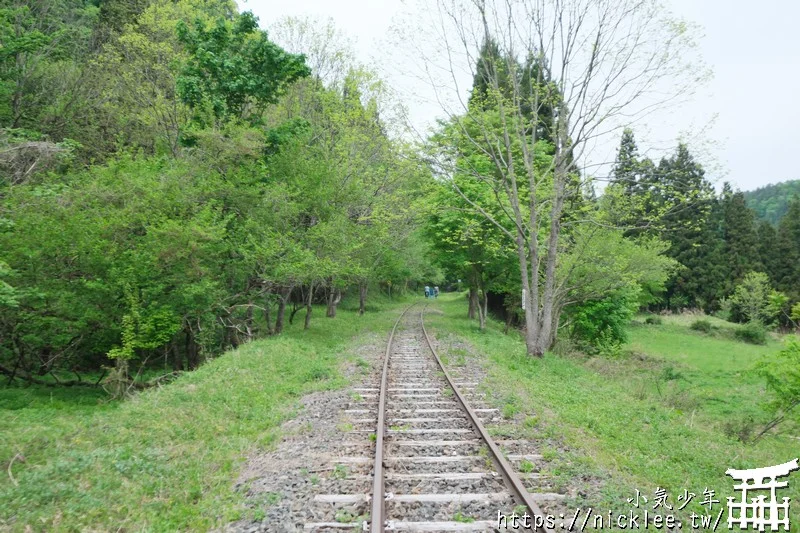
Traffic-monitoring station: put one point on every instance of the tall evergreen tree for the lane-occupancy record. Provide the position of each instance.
(684, 194)
(627, 166)
(787, 252)
(741, 240)
(633, 180)
(711, 268)
(490, 68)
(767, 236)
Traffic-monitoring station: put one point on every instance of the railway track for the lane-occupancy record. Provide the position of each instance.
(434, 466)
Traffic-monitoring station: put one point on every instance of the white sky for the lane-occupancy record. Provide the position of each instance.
(743, 125)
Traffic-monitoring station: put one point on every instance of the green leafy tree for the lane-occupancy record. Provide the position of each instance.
(41, 40)
(783, 383)
(233, 67)
(754, 300)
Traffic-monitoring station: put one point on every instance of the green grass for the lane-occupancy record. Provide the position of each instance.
(716, 372)
(656, 418)
(167, 459)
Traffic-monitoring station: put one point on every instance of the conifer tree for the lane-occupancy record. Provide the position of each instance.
(680, 181)
(741, 241)
(787, 252)
(766, 236)
(627, 166)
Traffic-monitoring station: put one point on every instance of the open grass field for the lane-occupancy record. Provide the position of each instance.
(167, 459)
(667, 414)
(710, 374)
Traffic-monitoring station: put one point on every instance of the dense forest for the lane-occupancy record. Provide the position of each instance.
(772, 201)
(174, 183)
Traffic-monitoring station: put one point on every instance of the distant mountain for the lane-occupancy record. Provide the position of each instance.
(770, 202)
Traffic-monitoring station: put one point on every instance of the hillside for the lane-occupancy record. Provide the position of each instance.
(770, 202)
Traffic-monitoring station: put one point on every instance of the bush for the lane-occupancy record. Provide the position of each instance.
(599, 325)
(783, 381)
(701, 325)
(740, 429)
(752, 333)
(654, 320)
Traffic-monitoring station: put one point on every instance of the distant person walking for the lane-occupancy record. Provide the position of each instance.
(427, 292)
(436, 292)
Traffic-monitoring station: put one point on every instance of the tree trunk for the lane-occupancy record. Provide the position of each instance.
(483, 309)
(473, 303)
(295, 306)
(191, 350)
(308, 306)
(177, 357)
(546, 335)
(248, 323)
(334, 297)
(362, 298)
(118, 382)
(530, 296)
(282, 300)
(230, 335)
(267, 316)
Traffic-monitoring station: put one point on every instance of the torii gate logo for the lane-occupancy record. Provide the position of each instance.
(758, 512)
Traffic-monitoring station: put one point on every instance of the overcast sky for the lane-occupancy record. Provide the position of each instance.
(743, 124)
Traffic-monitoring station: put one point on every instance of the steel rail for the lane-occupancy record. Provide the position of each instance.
(512, 480)
(378, 514)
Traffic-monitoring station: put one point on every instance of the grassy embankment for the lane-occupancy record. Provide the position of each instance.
(667, 414)
(167, 459)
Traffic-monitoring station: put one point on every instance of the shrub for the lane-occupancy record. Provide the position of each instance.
(599, 325)
(752, 332)
(783, 382)
(740, 429)
(654, 320)
(702, 325)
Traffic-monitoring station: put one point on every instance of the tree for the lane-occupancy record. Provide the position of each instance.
(766, 236)
(682, 184)
(40, 40)
(783, 382)
(755, 301)
(468, 247)
(627, 166)
(328, 52)
(586, 76)
(253, 185)
(787, 252)
(234, 70)
(741, 240)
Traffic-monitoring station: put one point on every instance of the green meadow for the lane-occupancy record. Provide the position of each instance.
(670, 412)
(167, 459)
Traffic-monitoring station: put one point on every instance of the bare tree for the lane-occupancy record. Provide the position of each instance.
(327, 50)
(555, 76)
